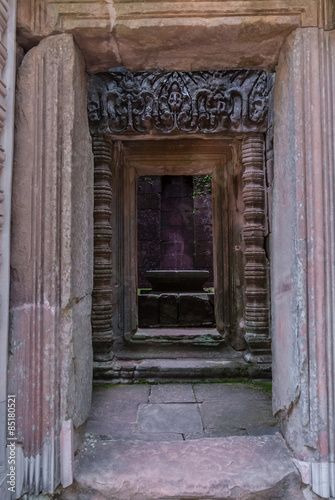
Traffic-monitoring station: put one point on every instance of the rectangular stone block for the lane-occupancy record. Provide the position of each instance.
(196, 310)
(148, 201)
(148, 310)
(149, 184)
(168, 310)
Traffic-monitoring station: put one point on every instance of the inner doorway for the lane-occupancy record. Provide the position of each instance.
(217, 162)
(175, 259)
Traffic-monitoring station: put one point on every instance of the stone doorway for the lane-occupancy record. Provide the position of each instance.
(175, 258)
(299, 38)
(219, 134)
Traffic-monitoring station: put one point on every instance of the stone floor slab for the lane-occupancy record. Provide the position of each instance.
(219, 391)
(169, 417)
(118, 403)
(248, 468)
(114, 430)
(238, 413)
(172, 393)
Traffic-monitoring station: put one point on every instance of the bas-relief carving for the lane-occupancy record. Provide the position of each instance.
(166, 102)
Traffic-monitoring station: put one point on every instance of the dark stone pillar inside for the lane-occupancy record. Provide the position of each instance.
(177, 222)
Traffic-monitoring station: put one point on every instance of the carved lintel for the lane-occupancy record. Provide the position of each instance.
(256, 265)
(102, 309)
(172, 102)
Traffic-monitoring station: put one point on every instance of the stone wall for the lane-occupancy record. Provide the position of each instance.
(177, 223)
(149, 190)
(203, 225)
(174, 229)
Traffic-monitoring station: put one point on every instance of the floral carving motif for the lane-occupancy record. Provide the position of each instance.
(203, 102)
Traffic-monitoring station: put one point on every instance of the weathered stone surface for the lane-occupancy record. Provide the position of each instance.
(177, 280)
(240, 413)
(7, 85)
(168, 310)
(169, 417)
(179, 336)
(111, 33)
(302, 252)
(188, 369)
(245, 406)
(52, 250)
(195, 310)
(199, 469)
(172, 393)
(148, 311)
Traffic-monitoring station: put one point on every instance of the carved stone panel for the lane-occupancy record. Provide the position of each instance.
(122, 102)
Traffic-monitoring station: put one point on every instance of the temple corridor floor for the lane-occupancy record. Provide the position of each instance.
(183, 441)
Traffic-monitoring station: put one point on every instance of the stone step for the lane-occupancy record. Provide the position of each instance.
(248, 468)
(191, 336)
(152, 350)
(190, 370)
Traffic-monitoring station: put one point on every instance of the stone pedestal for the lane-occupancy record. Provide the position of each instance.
(50, 364)
(303, 254)
(182, 310)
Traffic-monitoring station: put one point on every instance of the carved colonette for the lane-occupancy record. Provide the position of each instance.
(256, 266)
(122, 103)
(102, 291)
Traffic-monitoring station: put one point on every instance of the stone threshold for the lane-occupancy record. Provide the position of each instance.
(191, 336)
(172, 370)
(247, 468)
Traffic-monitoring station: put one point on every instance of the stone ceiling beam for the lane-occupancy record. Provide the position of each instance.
(182, 35)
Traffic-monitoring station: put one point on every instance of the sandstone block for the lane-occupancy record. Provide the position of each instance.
(148, 312)
(195, 310)
(111, 33)
(168, 310)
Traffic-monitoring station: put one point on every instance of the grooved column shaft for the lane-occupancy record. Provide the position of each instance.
(256, 285)
(102, 290)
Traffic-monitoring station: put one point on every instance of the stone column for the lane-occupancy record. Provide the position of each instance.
(7, 85)
(256, 265)
(303, 254)
(50, 363)
(102, 306)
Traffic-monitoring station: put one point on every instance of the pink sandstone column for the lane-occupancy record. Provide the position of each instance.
(303, 254)
(50, 362)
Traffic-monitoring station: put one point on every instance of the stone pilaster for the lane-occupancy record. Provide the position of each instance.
(256, 272)
(102, 306)
(50, 362)
(303, 254)
(7, 85)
